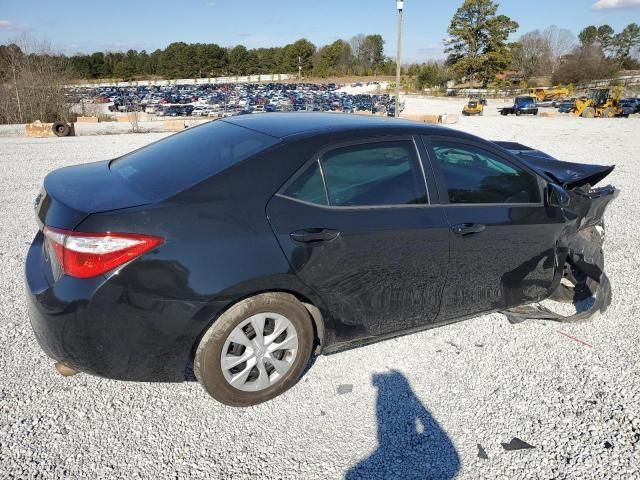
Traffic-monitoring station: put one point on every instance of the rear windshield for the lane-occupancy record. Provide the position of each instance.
(178, 162)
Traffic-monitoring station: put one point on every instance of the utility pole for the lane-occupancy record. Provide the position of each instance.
(299, 68)
(400, 5)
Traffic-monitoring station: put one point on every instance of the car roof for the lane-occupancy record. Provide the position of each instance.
(287, 124)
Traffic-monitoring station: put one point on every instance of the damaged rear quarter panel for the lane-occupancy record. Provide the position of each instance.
(579, 247)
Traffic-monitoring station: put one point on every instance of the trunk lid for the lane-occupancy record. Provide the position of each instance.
(70, 194)
(569, 175)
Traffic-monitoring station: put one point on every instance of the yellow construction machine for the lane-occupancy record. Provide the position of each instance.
(601, 102)
(475, 105)
(544, 94)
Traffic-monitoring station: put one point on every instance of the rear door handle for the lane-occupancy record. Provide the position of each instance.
(467, 228)
(310, 235)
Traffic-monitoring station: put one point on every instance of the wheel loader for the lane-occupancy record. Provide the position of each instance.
(602, 102)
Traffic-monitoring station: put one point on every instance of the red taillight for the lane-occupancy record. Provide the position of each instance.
(86, 255)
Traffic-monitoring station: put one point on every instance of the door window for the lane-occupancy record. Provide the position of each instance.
(384, 173)
(309, 186)
(475, 175)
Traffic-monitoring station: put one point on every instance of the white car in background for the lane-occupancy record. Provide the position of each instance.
(200, 111)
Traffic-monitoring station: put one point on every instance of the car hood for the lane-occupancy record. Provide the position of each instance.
(569, 175)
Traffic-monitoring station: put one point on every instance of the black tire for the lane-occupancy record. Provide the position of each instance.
(588, 112)
(207, 363)
(518, 113)
(61, 129)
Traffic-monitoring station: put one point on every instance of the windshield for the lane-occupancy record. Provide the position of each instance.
(178, 162)
(524, 101)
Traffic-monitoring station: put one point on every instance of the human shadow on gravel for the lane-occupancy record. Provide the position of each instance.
(412, 445)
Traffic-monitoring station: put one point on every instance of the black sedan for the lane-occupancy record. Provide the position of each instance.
(238, 249)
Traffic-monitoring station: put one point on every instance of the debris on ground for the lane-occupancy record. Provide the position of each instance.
(516, 444)
(576, 339)
(481, 453)
(346, 388)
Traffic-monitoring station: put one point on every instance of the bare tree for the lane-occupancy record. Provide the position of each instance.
(32, 80)
(539, 53)
(133, 115)
(560, 42)
(532, 56)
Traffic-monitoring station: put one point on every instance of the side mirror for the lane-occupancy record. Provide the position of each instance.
(557, 196)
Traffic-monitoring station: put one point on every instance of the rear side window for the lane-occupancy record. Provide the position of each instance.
(180, 161)
(474, 175)
(309, 186)
(385, 173)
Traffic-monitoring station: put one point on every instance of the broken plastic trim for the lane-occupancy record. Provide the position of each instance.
(569, 175)
(540, 312)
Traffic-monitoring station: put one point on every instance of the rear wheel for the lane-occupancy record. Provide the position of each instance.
(256, 350)
(608, 113)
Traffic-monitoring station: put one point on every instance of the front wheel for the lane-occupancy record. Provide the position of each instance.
(589, 112)
(256, 350)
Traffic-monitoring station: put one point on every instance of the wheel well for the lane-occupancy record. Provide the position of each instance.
(317, 320)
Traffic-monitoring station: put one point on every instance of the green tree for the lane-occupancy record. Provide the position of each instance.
(303, 51)
(334, 59)
(211, 59)
(588, 36)
(176, 61)
(431, 74)
(239, 60)
(618, 46)
(98, 66)
(268, 60)
(81, 66)
(626, 41)
(127, 67)
(477, 43)
(374, 47)
(368, 53)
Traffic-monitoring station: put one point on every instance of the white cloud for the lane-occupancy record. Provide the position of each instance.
(8, 27)
(615, 4)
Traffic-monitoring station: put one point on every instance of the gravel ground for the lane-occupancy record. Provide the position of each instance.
(413, 407)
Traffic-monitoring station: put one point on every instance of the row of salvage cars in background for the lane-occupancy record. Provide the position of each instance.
(223, 100)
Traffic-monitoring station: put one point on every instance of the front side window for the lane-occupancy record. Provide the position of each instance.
(475, 175)
(384, 173)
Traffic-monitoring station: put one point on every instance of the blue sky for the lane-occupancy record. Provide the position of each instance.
(85, 26)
